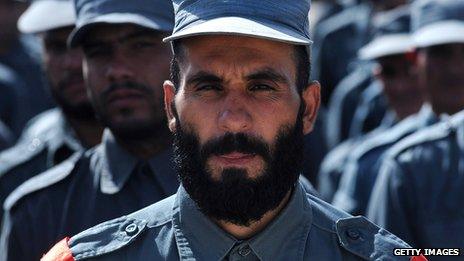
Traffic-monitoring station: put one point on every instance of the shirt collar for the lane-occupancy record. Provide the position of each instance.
(114, 165)
(427, 116)
(63, 140)
(289, 229)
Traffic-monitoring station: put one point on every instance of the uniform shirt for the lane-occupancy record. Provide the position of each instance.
(363, 165)
(343, 103)
(46, 141)
(101, 184)
(334, 164)
(6, 137)
(174, 229)
(418, 193)
(371, 110)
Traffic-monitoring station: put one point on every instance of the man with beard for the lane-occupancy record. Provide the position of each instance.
(418, 193)
(238, 104)
(53, 136)
(125, 64)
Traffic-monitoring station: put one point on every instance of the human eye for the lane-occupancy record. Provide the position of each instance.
(143, 44)
(96, 51)
(208, 87)
(256, 87)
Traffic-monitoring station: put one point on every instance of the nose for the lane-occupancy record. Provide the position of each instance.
(234, 117)
(118, 68)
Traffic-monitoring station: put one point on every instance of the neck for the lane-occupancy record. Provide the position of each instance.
(89, 131)
(148, 147)
(241, 232)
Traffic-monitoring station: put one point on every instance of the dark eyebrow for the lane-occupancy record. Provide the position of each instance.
(203, 76)
(267, 74)
(138, 34)
(124, 38)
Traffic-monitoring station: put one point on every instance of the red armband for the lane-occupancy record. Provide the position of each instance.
(59, 252)
(419, 258)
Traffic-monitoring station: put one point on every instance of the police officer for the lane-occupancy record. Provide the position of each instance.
(238, 104)
(54, 135)
(125, 63)
(418, 193)
(393, 51)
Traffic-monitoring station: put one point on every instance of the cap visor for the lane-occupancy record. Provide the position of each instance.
(439, 33)
(45, 15)
(117, 18)
(386, 46)
(244, 27)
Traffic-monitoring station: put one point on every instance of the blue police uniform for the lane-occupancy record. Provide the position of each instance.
(363, 165)
(6, 137)
(343, 102)
(418, 194)
(174, 229)
(334, 163)
(89, 188)
(47, 141)
(371, 110)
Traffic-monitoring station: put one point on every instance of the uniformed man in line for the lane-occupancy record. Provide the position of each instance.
(392, 53)
(54, 135)
(125, 64)
(418, 193)
(402, 87)
(238, 104)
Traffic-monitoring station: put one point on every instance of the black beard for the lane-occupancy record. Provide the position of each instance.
(235, 198)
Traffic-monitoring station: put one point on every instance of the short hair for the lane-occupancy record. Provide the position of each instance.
(301, 57)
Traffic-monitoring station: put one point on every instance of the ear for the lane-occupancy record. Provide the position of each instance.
(169, 102)
(312, 97)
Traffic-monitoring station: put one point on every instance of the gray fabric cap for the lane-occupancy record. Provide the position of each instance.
(285, 21)
(392, 35)
(437, 22)
(153, 14)
(45, 15)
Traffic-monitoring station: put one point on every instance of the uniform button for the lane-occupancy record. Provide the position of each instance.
(353, 234)
(34, 144)
(131, 229)
(244, 250)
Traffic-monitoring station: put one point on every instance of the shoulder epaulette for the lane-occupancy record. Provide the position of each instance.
(435, 132)
(41, 181)
(120, 232)
(366, 240)
(20, 153)
(32, 142)
(385, 137)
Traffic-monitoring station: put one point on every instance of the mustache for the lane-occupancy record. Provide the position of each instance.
(126, 85)
(236, 142)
